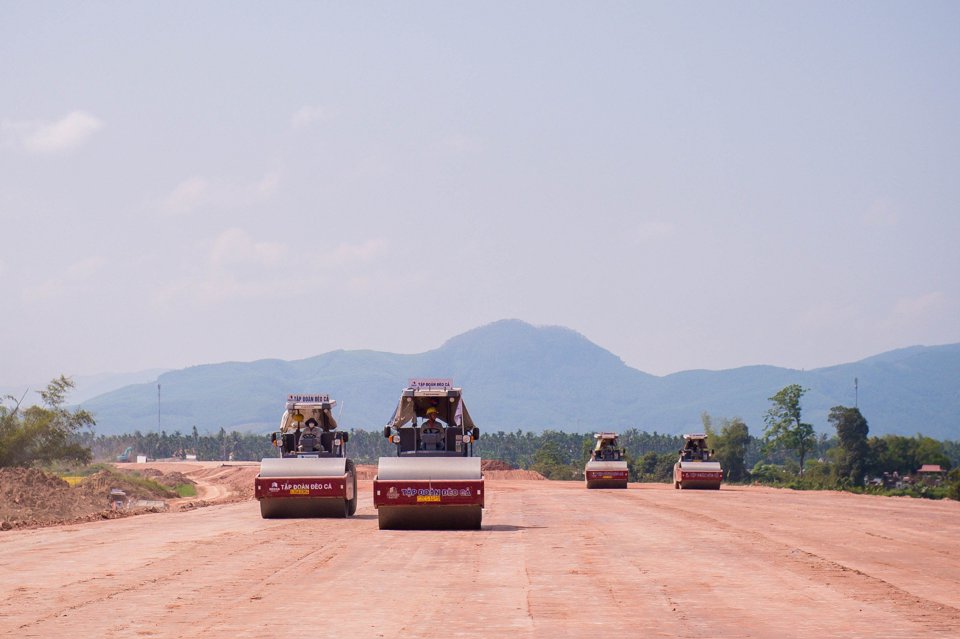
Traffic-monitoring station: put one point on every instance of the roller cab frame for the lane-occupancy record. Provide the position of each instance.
(696, 467)
(313, 476)
(434, 481)
(607, 466)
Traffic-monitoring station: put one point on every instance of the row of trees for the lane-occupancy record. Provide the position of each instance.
(222, 446)
(852, 455)
(557, 454)
(40, 435)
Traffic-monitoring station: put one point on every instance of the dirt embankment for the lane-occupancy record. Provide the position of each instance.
(31, 498)
(496, 469)
(218, 483)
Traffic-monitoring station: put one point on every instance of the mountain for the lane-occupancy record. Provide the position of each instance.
(516, 375)
(85, 386)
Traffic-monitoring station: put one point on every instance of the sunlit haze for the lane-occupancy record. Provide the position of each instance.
(692, 185)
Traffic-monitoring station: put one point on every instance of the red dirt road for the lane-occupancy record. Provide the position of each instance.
(553, 560)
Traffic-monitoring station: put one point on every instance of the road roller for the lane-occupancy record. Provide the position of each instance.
(607, 466)
(696, 467)
(434, 482)
(313, 476)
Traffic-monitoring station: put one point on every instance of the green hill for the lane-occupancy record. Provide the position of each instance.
(515, 375)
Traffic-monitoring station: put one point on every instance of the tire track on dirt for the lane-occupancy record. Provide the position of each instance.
(852, 582)
(552, 560)
(576, 564)
(159, 567)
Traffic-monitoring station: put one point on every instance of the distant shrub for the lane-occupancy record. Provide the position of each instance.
(771, 474)
(186, 490)
(953, 484)
(43, 435)
(653, 467)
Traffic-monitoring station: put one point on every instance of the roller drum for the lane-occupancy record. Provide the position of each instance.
(428, 468)
(281, 508)
(711, 482)
(432, 516)
(307, 468)
(429, 518)
(303, 467)
(593, 467)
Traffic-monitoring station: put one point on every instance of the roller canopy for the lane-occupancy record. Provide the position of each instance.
(321, 413)
(449, 405)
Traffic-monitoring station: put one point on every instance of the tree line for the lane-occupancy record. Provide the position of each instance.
(788, 451)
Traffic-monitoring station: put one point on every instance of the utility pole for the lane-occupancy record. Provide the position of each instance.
(856, 393)
(158, 409)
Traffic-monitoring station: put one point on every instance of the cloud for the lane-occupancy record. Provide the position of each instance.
(307, 115)
(85, 269)
(826, 316)
(212, 289)
(186, 196)
(73, 276)
(462, 143)
(924, 318)
(197, 192)
(652, 230)
(912, 309)
(346, 254)
(235, 246)
(268, 184)
(39, 137)
(240, 267)
(881, 214)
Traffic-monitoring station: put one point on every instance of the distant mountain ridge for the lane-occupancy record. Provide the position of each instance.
(85, 386)
(516, 375)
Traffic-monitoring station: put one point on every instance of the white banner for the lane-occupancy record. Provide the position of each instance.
(436, 382)
(307, 399)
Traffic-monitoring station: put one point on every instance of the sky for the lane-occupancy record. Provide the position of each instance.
(694, 185)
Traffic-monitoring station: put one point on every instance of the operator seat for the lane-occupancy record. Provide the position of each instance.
(308, 443)
(432, 439)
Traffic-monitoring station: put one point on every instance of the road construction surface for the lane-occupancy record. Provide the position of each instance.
(553, 560)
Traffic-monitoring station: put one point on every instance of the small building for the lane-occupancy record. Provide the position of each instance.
(931, 474)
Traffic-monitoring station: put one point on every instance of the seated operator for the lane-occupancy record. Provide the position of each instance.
(311, 432)
(431, 432)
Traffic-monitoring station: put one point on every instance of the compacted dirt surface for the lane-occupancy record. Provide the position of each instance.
(552, 560)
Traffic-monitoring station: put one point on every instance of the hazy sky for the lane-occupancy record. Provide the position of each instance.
(689, 185)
